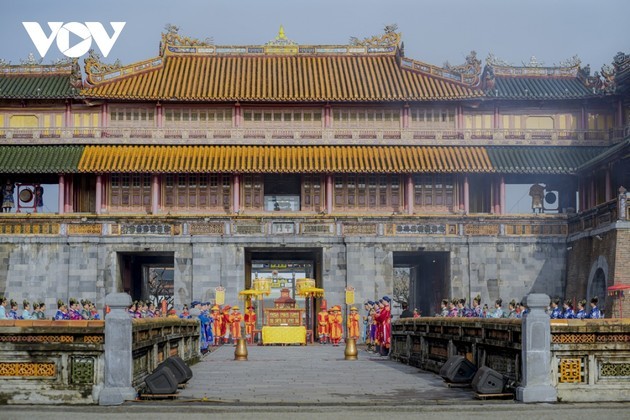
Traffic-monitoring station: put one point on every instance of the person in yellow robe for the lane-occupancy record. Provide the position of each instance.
(235, 323)
(322, 324)
(353, 323)
(215, 313)
(250, 324)
(336, 325)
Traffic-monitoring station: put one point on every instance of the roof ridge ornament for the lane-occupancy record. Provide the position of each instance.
(31, 60)
(389, 38)
(471, 66)
(94, 65)
(281, 39)
(533, 63)
(172, 37)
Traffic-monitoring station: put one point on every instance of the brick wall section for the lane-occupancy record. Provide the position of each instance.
(614, 248)
(622, 270)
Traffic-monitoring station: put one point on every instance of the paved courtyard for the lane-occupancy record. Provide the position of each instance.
(313, 375)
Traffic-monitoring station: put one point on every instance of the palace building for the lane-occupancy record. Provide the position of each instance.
(209, 166)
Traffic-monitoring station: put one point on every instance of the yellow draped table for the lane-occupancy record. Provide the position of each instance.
(284, 335)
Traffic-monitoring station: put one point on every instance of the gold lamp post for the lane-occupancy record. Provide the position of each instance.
(240, 352)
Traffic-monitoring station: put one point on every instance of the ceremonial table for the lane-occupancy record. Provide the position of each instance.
(284, 335)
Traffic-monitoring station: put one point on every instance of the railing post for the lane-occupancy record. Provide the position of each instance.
(536, 353)
(118, 345)
(622, 203)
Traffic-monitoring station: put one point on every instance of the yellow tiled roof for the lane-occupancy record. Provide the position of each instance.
(284, 159)
(281, 78)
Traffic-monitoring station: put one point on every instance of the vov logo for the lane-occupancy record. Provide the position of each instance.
(61, 31)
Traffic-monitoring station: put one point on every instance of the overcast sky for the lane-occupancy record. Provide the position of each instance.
(433, 31)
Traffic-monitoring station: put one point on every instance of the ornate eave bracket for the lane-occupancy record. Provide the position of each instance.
(603, 82)
(95, 69)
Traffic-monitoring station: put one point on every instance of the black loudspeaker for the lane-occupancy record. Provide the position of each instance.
(458, 369)
(179, 368)
(488, 381)
(161, 381)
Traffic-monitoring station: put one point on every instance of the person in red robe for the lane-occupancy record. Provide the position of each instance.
(322, 324)
(235, 324)
(383, 318)
(250, 324)
(353, 323)
(215, 313)
(336, 325)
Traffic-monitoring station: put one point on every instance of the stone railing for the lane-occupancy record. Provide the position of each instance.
(157, 339)
(590, 359)
(284, 224)
(428, 342)
(51, 362)
(316, 136)
(63, 362)
(600, 216)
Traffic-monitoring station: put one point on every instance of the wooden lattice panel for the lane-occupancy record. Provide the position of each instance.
(37, 338)
(612, 338)
(27, 369)
(572, 338)
(319, 229)
(356, 229)
(206, 229)
(614, 370)
(570, 371)
(96, 339)
(481, 230)
(29, 229)
(85, 229)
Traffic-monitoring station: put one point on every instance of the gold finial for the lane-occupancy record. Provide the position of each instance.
(281, 34)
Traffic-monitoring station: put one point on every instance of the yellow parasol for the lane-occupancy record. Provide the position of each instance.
(311, 292)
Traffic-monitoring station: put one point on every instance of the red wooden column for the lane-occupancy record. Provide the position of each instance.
(496, 196)
(68, 116)
(409, 194)
(327, 116)
(502, 195)
(608, 189)
(61, 195)
(236, 193)
(329, 193)
(68, 195)
(237, 115)
(497, 117)
(466, 195)
(104, 117)
(155, 194)
(405, 116)
(99, 193)
(583, 120)
(159, 115)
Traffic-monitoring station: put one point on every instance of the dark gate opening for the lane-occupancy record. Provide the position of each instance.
(423, 279)
(284, 266)
(148, 276)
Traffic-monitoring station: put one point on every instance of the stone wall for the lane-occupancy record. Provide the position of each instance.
(88, 267)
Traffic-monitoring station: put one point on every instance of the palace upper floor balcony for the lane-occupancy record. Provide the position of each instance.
(284, 225)
(313, 136)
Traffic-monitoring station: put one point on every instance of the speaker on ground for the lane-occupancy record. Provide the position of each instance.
(458, 369)
(488, 381)
(180, 369)
(161, 381)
